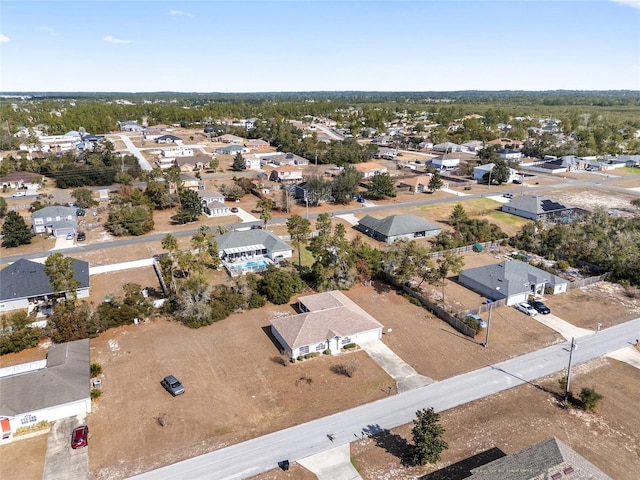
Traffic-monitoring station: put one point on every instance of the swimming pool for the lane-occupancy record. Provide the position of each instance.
(254, 265)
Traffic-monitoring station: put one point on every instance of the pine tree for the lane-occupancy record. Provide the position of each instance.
(15, 231)
(435, 183)
(427, 437)
(238, 163)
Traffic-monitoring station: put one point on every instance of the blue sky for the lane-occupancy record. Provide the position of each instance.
(242, 46)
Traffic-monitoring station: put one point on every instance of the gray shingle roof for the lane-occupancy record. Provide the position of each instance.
(395, 225)
(25, 278)
(550, 458)
(248, 238)
(65, 379)
(54, 211)
(510, 278)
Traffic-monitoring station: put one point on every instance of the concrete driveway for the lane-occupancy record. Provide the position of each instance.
(563, 327)
(405, 376)
(246, 216)
(62, 242)
(61, 461)
(334, 464)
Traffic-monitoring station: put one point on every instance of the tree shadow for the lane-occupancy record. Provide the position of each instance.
(462, 469)
(535, 385)
(391, 443)
(381, 287)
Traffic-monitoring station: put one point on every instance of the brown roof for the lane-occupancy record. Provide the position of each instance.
(287, 168)
(369, 167)
(332, 314)
(180, 161)
(415, 181)
(20, 177)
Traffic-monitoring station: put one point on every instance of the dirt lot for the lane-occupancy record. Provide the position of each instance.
(23, 459)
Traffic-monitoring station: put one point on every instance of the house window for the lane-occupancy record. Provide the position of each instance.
(28, 419)
(304, 350)
(320, 347)
(346, 340)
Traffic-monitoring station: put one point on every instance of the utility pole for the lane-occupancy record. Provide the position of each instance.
(486, 340)
(574, 346)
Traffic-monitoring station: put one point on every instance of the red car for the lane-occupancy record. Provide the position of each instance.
(80, 437)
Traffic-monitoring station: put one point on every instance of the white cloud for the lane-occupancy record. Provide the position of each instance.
(178, 13)
(110, 39)
(4, 38)
(630, 3)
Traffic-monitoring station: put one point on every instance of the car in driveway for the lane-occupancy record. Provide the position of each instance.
(172, 385)
(234, 209)
(82, 236)
(80, 437)
(19, 194)
(70, 236)
(540, 307)
(507, 195)
(526, 308)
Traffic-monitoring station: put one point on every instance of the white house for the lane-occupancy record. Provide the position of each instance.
(178, 151)
(445, 163)
(213, 203)
(253, 162)
(46, 390)
(56, 220)
(369, 169)
(509, 154)
(328, 321)
(480, 171)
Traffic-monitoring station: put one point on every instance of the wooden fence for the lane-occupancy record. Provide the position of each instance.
(587, 281)
(438, 311)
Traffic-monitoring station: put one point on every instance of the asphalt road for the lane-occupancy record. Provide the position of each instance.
(261, 454)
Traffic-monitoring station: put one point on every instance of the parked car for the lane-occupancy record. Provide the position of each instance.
(507, 195)
(256, 227)
(540, 307)
(526, 308)
(81, 236)
(19, 194)
(234, 209)
(172, 385)
(80, 212)
(478, 319)
(517, 182)
(80, 437)
(70, 236)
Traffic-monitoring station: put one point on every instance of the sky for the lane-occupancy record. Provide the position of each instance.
(278, 46)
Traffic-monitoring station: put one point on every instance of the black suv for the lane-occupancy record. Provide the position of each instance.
(81, 236)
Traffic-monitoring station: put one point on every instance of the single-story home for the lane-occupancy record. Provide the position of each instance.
(286, 173)
(369, 169)
(416, 184)
(448, 147)
(168, 139)
(509, 154)
(56, 220)
(396, 227)
(257, 144)
(24, 284)
(177, 151)
(46, 390)
(506, 143)
(480, 171)
(511, 280)
(232, 149)
(20, 179)
(190, 164)
(251, 243)
(281, 158)
(443, 162)
(252, 161)
(213, 203)
(540, 207)
(228, 138)
(551, 459)
(327, 321)
(386, 153)
(473, 145)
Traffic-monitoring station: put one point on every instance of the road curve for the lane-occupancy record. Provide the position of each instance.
(261, 454)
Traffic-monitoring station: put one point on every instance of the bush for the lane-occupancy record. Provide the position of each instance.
(312, 355)
(300, 358)
(327, 352)
(95, 369)
(562, 264)
(349, 346)
(95, 393)
(589, 398)
(347, 368)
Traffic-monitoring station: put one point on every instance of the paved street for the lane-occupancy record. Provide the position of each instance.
(261, 454)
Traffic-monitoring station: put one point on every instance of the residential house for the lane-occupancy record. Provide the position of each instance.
(188, 181)
(228, 138)
(417, 184)
(328, 321)
(46, 390)
(165, 162)
(286, 174)
(257, 144)
(425, 145)
(213, 203)
(386, 153)
(540, 207)
(509, 154)
(511, 280)
(369, 169)
(253, 161)
(301, 193)
(550, 459)
(383, 140)
(256, 244)
(232, 149)
(130, 126)
(192, 164)
(473, 145)
(24, 284)
(168, 139)
(17, 180)
(55, 220)
(507, 143)
(396, 227)
(445, 163)
(480, 171)
(448, 147)
(177, 151)
(281, 158)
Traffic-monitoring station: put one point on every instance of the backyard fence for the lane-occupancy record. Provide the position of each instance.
(587, 281)
(438, 311)
(470, 248)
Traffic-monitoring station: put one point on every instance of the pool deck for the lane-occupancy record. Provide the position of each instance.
(248, 265)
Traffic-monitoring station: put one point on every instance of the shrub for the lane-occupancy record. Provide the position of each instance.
(589, 398)
(347, 368)
(312, 355)
(562, 264)
(349, 346)
(327, 352)
(95, 393)
(95, 369)
(300, 358)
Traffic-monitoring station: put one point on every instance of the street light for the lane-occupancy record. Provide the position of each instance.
(306, 199)
(574, 346)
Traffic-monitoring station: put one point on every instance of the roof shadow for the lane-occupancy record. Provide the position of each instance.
(462, 469)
